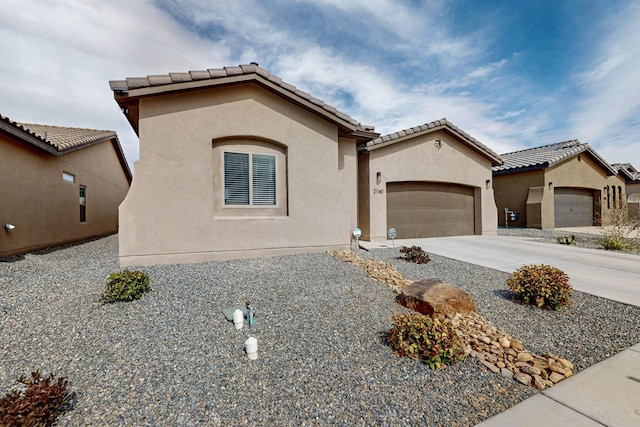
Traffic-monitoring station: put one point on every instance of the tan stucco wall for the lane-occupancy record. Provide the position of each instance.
(169, 214)
(515, 190)
(44, 208)
(512, 192)
(418, 159)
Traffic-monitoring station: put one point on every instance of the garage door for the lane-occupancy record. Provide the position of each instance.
(573, 207)
(424, 209)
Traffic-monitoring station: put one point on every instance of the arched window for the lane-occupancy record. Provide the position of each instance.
(249, 177)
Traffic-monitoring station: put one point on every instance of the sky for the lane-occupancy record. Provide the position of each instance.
(512, 74)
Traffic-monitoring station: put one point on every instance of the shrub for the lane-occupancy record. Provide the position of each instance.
(567, 240)
(432, 341)
(38, 405)
(415, 254)
(125, 286)
(616, 243)
(541, 285)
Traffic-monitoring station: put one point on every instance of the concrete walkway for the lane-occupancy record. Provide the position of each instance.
(605, 394)
(607, 274)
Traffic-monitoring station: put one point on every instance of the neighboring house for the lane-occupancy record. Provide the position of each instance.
(58, 185)
(235, 163)
(567, 184)
(426, 181)
(632, 184)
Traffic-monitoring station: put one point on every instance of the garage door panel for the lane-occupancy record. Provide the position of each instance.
(573, 207)
(418, 209)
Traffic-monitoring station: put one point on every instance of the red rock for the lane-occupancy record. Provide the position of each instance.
(433, 298)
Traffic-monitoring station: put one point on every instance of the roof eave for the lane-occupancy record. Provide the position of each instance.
(26, 137)
(495, 159)
(126, 98)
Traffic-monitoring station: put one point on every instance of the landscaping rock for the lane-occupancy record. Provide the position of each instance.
(434, 297)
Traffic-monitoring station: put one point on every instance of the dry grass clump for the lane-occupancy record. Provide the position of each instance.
(377, 270)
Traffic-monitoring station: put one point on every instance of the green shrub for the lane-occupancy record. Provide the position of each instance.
(567, 240)
(38, 405)
(125, 286)
(432, 341)
(415, 254)
(616, 243)
(541, 285)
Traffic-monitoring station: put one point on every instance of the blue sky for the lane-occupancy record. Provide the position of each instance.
(513, 74)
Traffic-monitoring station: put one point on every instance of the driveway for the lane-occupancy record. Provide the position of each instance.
(611, 275)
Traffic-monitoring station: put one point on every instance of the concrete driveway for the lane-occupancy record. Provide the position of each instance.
(611, 275)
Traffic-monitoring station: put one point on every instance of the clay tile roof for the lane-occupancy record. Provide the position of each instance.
(59, 140)
(548, 155)
(212, 74)
(444, 124)
(627, 170)
(65, 138)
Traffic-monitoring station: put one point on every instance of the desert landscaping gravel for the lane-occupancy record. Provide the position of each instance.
(172, 359)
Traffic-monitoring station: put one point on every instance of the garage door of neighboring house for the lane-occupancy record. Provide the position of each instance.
(427, 209)
(573, 207)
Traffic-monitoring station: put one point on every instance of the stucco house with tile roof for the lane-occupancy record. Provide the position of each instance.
(567, 184)
(430, 180)
(632, 185)
(58, 185)
(235, 163)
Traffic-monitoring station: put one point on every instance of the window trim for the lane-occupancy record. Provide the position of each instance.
(249, 145)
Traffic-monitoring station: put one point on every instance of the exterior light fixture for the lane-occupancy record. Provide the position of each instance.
(438, 144)
(488, 184)
(8, 227)
(378, 177)
(550, 185)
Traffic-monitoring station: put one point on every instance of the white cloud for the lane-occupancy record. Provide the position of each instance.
(611, 87)
(59, 56)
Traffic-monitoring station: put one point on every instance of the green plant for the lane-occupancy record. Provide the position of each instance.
(567, 240)
(38, 405)
(433, 341)
(616, 243)
(125, 286)
(415, 254)
(541, 285)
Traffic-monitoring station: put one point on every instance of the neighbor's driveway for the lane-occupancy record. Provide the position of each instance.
(611, 275)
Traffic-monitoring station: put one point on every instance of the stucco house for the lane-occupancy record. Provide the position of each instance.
(632, 185)
(234, 162)
(58, 185)
(567, 184)
(427, 181)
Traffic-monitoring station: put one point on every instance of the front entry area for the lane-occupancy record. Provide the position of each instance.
(573, 207)
(430, 209)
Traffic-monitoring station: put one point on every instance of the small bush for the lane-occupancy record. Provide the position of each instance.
(125, 286)
(415, 254)
(616, 243)
(432, 341)
(541, 285)
(39, 405)
(567, 240)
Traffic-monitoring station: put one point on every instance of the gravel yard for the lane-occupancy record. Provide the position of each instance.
(171, 358)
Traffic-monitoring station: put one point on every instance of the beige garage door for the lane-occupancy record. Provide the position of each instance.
(573, 207)
(427, 209)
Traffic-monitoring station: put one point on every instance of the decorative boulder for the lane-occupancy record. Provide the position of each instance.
(434, 298)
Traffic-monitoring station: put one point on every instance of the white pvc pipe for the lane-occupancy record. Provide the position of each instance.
(251, 347)
(238, 319)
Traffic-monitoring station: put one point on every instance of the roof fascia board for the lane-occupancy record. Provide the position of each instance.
(25, 137)
(229, 80)
(544, 165)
